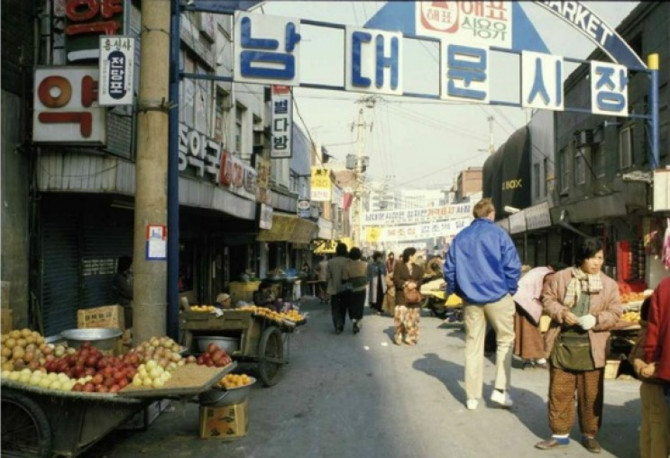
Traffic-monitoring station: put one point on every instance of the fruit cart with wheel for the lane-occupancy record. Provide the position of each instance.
(262, 341)
(38, 422)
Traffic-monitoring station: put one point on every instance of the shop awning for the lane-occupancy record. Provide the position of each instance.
(288, 228)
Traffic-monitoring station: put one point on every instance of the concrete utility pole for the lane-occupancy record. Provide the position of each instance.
(149, 288)
(369, 102)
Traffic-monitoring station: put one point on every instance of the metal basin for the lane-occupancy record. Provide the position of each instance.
(219, 397)
(101, 338)
(230, 344)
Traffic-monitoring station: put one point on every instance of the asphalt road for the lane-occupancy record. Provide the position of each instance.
(362, 396)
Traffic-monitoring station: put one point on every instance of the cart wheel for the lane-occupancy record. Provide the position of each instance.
(25, 428)
(270, 356)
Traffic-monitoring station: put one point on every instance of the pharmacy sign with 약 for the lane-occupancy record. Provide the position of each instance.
(116, 70)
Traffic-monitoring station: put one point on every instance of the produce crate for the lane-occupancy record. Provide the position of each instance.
(612, 368)
(224, 423)
(108, 316)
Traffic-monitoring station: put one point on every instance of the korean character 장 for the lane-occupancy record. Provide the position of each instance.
(609, 89)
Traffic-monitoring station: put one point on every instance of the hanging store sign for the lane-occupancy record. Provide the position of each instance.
(65, 105)
(417, 215)
(263, 181)
(320, 186)
(609, 89)
(238, 177)
(304, 207)
(86, 21)
(198, 153)
(373, 61)
(517, 222)
(267, 49)
(117, 61)
(282, 123)
(416, 231)
(468, 23)
(265, 217)
(541, 81)
(464, 71)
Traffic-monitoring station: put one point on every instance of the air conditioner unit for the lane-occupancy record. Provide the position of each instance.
(585, 137)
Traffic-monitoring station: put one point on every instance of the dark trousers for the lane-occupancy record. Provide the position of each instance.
(347, 301)
(338, 309)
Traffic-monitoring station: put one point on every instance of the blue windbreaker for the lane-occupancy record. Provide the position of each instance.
(482, 264)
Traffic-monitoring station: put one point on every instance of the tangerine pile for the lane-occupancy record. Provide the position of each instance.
(235, 380)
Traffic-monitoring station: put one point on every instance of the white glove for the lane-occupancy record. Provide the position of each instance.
(586, 322)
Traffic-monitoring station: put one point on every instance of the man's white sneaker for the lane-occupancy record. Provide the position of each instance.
(502, 398)
(472, 404)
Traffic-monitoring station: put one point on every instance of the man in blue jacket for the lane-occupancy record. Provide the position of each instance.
(482, 266)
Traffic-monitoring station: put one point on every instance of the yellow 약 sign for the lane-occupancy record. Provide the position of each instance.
(320, 185)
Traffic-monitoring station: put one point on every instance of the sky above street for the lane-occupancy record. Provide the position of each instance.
(415, 142)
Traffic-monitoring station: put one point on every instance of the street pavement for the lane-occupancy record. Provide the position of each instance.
(362, 396)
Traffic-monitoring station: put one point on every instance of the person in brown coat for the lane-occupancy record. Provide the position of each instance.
(583, 304)
(406, 317)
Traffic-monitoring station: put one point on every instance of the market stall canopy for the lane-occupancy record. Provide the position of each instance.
(288, 228)
(328, 246)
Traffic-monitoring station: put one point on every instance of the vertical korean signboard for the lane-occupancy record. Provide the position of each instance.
(85, 21)
(282, 122)
(117, 56)
(320, 185)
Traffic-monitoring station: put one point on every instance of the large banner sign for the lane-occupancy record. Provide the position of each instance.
(267, 52)
(466, 23)
(417, 215)
(416, 231)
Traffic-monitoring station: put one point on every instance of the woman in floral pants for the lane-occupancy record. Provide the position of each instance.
(407, 316)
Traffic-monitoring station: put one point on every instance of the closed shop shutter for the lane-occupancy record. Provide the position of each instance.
(105, 237)
(60, 295)
(80, 249)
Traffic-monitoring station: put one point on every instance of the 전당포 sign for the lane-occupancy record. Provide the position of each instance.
(117, 56)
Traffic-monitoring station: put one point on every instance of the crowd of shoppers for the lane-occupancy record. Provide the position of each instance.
(580, 302)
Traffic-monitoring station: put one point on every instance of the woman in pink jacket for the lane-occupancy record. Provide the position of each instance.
(583, 304)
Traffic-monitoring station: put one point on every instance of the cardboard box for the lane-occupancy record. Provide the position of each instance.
(108, 316)
(224, 423)
(7, 320)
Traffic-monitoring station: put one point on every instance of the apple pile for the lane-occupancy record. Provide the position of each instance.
(109, 374)
(214, 356)
(163, 350)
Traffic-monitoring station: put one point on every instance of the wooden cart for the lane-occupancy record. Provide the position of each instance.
(263, 341)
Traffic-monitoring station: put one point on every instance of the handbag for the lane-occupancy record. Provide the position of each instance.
(572, 353)
(411, 293)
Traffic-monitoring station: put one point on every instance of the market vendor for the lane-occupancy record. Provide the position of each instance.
(224, 301)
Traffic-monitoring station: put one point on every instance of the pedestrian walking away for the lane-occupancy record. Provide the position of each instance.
(376, 273)
(583, 304)
(482, 266)
(407, 313)
(655, 427)
(529, 342)
(337, 289)
(355, 275)
(322, 276)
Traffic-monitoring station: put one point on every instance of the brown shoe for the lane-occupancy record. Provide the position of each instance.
(551, 443)
(591, 444)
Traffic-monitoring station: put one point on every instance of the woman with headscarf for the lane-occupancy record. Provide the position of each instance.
(355, 275)
(390, 262)
(583, 304)
(376, 282)
(407, 315)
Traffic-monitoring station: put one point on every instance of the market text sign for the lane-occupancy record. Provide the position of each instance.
(282, 122)
(373, 61)
(416, 231)
(466, 22)
(66, 109)
(266, 49)
(116, 70)
(85, 21)
(198, 152)
(417, 215)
